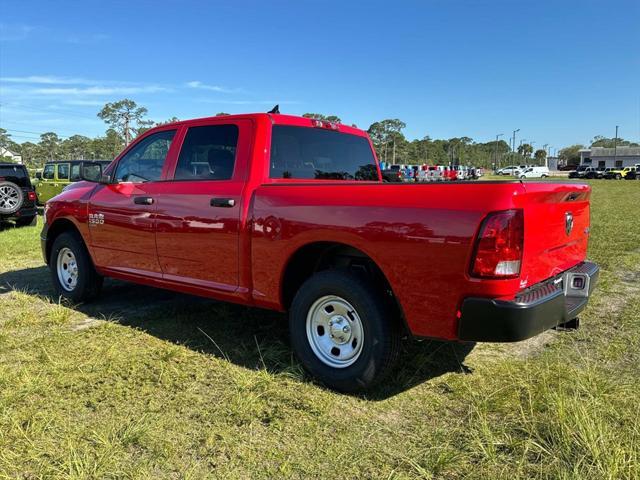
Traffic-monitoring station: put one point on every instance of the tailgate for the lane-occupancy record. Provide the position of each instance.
(556, 229)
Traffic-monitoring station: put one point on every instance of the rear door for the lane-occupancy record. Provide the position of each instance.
(199, 210)
(122, 215)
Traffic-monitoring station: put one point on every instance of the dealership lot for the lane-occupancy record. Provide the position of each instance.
(148, 383)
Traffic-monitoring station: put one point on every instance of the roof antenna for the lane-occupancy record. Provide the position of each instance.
(275, 109)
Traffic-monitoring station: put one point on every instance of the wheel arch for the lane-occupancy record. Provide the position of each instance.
(322, 255)
(58, 227)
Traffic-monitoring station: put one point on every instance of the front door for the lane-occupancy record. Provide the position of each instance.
(46, 186)
(198, 216)
(122, 214)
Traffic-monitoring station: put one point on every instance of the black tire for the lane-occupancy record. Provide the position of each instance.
(618, 176)
(89, 282)
(381, 331)
(11, 198)
(26, 221)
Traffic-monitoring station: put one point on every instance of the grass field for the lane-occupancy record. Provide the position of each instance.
(151, 384)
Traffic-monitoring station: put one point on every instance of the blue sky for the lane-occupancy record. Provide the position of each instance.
(561, 71)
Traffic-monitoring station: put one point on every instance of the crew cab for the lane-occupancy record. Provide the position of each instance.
(291, 214)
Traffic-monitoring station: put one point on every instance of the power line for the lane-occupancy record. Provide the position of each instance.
(50, 111)
(36, 133)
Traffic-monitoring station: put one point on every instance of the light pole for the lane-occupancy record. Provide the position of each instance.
(495, 149)
(513, 148)
(615, 148)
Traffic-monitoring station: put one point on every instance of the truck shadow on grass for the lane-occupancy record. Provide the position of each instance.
(249, 337)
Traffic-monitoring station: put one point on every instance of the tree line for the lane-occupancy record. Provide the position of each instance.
(125, 120)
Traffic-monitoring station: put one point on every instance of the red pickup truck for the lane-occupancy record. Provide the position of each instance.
(291, 214)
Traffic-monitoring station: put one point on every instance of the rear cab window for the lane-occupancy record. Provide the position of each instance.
(15, 174)
(320, 154)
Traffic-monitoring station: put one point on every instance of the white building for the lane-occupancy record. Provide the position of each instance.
(619, 157)
(8, 154)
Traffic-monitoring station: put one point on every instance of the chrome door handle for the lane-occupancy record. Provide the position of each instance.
(143, 200)
(222, 202)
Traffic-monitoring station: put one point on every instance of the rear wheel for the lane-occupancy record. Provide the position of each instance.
(342, 330)
(72, 271)
(11, 198)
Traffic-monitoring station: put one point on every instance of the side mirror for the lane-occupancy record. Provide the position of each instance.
(39, 175)
(91, 172)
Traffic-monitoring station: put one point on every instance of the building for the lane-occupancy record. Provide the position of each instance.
(10, 156)
(602, 157)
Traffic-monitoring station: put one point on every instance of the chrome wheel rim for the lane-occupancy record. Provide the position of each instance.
(67, 269)
(9, 197)
(335, 331)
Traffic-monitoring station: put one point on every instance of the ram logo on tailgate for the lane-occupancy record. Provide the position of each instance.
(568, 223)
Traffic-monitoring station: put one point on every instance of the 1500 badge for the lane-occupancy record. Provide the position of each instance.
(96, 219)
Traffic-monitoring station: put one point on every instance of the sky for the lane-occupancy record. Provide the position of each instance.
(560, 71)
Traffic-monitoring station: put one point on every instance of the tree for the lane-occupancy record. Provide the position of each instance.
(170, 120)
(49, 146)
(384, 132)
(525, 150)
(600, 141)
(5, 139)
(221, 114)
(30, 157)
(107, 147)
(126, 118)
(320, 116)
(76, 147)
(540, 156)
(570, 155)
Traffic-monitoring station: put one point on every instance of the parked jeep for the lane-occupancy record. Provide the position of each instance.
(57, 175)
(17, 197)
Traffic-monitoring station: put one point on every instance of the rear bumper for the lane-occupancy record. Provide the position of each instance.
(533, 311)
(29, 211)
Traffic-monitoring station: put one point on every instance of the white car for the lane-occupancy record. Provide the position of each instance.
(532, 172)
(507, 170)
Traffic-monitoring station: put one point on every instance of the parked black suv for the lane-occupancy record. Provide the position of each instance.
(17, 196)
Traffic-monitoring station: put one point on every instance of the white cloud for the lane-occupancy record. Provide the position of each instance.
(212, 88)
(87, 103)
(88, 91)
(48, 80)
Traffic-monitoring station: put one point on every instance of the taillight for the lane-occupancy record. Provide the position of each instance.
(499, 246)
(31, 196)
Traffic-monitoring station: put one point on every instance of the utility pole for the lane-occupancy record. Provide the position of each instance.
(495, 150)
(394, 151)
(513, 149)
(615, 147)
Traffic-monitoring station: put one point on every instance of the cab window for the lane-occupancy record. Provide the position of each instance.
(48, 172)
(63, 171)
(301, 152)
(208, 153)
(75, 172)
(143, 163)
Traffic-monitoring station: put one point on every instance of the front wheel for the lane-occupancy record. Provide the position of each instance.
(72, 271)
(342, 331)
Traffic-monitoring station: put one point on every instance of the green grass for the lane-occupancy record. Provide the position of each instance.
(152, 384)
